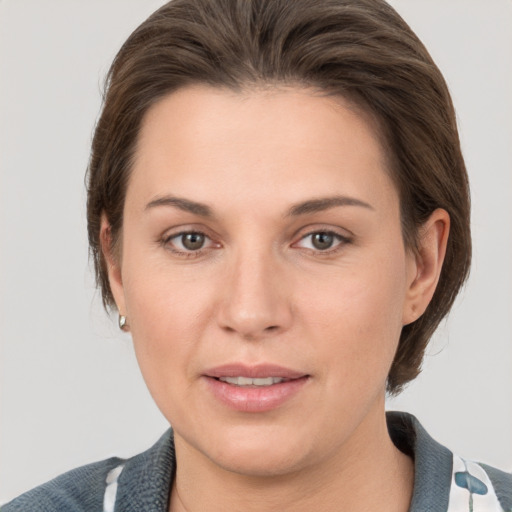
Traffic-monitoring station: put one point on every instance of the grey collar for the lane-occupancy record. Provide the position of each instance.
(146, 479)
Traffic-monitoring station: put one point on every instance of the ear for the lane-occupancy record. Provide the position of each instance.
(113, 263)
(425, 265)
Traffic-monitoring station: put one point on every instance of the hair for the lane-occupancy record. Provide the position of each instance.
(361, 50)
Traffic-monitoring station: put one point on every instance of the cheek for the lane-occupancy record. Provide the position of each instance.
(168, 312)
(357, 316)
(166, 329)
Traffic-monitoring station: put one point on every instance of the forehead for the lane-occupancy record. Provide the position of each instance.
(218, 143)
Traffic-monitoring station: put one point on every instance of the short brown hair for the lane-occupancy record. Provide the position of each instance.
(358, 49)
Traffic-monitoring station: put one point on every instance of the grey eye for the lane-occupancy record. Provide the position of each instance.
(322, 241)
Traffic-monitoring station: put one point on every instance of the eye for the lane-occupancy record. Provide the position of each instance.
(188, 242)
(192, 241)
(321, 241)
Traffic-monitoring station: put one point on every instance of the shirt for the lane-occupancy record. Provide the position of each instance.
(443, 482)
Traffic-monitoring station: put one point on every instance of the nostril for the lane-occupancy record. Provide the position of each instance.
(271, 328)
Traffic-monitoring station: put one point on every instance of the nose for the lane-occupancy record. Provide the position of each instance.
(256, 301)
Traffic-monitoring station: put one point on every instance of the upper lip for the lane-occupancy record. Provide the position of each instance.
(253, 371)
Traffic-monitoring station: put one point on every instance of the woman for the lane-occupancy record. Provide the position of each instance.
(278, 209)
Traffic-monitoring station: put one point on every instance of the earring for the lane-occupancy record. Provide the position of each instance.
(123, 324)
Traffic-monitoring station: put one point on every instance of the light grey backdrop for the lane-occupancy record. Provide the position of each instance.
(70, 389)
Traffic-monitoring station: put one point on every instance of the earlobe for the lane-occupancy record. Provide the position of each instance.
(428, 261)
(112, 263)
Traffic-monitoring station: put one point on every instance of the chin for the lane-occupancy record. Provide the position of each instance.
(262, 452)
(259, 463)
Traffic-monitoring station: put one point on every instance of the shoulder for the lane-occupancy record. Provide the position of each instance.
(445, 481)
(138, 483)
(81, 489)
(502, 484)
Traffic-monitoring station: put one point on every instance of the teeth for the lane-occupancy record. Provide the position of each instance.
(247, 381)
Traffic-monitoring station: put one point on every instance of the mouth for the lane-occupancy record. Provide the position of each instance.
(253, 382)
(258, 388)
(258, 375)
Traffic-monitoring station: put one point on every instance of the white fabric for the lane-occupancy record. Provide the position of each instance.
(109, 499)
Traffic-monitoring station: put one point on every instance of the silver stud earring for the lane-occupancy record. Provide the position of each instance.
(123, 324)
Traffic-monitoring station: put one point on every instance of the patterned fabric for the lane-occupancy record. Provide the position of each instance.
(471, 489)
(443, 482)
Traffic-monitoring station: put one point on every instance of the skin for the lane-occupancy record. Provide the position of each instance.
(259, 290)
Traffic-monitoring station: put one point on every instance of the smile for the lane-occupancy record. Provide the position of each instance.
(254, 389)
(247, 381)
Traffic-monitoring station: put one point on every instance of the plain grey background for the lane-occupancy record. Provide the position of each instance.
(71, 392)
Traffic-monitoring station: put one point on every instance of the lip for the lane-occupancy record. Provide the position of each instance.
(253, 371)
(254, 399)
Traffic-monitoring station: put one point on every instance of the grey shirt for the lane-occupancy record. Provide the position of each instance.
(443, 481)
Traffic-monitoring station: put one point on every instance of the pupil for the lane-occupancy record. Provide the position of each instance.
(322, 241)
(193, 241)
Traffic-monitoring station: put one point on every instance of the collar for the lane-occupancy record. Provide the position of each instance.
(442, 481)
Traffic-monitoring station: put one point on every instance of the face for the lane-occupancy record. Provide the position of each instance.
(263, 274)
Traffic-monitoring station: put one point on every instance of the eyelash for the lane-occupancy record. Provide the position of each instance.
(340, 242)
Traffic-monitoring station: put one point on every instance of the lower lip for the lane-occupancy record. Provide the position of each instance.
(255, 398)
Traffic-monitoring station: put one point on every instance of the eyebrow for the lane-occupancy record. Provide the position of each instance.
(183, 204)
(304, 208)
(325, 203)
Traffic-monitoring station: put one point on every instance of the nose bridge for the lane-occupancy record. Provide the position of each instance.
(255, 298)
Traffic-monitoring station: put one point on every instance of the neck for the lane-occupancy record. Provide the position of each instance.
(367, 473)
